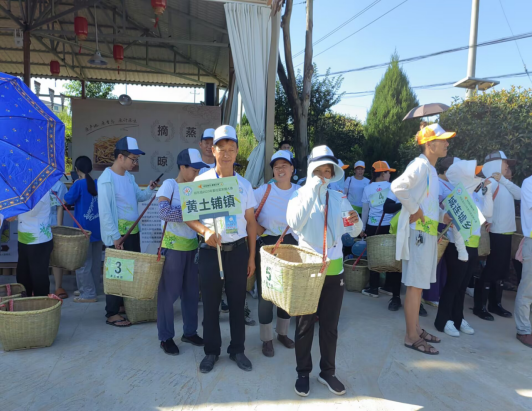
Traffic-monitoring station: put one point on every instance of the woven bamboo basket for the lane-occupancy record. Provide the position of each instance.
(145, 276)
(356, 279)
(251, 283)
(33, 323)
(291, 279)
(484, 247)
(442, 246)
(7, 290)
(381, 254)
(70, 247)
(140, 311)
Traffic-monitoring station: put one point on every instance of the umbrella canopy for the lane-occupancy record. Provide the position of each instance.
(426, 110)
(32, 147)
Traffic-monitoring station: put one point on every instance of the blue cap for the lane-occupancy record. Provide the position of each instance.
(191, 157)
(225, 133)
(130, 145)
(208, 133)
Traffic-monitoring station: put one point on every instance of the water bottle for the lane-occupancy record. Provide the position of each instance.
(349, 228)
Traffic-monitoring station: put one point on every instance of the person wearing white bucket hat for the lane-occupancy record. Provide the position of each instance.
(306, 216)
(270, 212)
(354, 186)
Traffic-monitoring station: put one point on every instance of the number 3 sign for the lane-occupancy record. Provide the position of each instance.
(119, 269)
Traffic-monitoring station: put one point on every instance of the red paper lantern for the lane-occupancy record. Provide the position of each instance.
(55, 68)
(118, 55)
(81, 27)
(159, 6)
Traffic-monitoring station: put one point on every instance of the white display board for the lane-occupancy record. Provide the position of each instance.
(161, 129)
(150, 228)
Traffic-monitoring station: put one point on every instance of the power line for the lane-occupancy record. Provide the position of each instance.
(356, 94)
(352, 34)
(340, 26)
(516, 45)
(438, 53)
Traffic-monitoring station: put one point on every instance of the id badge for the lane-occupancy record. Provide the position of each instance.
(231, 226)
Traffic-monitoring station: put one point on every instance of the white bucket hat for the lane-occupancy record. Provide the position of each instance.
(320, 156)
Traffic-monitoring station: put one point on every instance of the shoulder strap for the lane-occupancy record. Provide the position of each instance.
(264, 198)
(164, 230)
(496, 191)
(324, 264)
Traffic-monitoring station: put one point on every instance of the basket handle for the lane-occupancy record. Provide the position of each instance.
(71, 216)
(280, 240)
(8, 289)
(126, 235)
(164, 231)
(324, 264)
(55, 297)
(264, 198)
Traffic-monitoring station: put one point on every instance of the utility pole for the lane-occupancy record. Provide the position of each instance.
(472, 56)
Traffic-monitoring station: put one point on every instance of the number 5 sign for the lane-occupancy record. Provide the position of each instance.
(119, 269)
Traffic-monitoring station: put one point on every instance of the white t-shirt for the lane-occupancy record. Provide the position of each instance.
(204, 169)
(178, 236)
(247, 199)
(431, 204)
(446, 188)
(526, 207)
(61, 190)
(34, 226)
(126, 203)
(354, 189)
(376, 194)
(273, 214)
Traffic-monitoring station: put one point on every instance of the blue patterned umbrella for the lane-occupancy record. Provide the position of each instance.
(32, 147)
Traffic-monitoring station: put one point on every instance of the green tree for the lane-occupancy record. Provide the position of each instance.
(344, 135)
(490, 121)
(385, 129)
(66, 118)
(325, 93)
(92, 90)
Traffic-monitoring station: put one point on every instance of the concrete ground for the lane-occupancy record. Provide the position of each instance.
(92, 366)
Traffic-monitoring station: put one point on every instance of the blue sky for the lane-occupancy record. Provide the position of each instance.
(416, 27)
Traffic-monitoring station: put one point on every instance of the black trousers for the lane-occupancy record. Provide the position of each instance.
(329, 308)
(393, 280)
(32, 267)
(113, 302)
(489, 285)
(459, 273)
(235, 265)
(266, 307)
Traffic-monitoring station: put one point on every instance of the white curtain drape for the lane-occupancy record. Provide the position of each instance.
(233, 118)
(249, 29)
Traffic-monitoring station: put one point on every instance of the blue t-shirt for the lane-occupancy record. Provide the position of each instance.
(86, 208)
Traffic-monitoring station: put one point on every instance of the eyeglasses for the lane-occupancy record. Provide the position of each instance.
(133, 160)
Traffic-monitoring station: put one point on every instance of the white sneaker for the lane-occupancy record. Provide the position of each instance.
(466, 328)
(451, 330)
(470, 291)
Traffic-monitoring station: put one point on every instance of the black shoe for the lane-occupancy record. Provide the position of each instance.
(483, 314)
(207, 364)
(194, 340)
(371, 292)
(169, 347)
(500, 311)
(302, 385)
(224, 307)
(267, 349)
(242, 361)
(395, 304)
(334, 384)
(422, 311)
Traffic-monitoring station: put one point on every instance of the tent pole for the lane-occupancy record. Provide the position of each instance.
(26, 51)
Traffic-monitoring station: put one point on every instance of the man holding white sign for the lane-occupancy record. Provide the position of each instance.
(233, 214)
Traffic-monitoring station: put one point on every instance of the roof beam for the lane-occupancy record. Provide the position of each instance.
(125, 37)
(42, 43)
(110, 56)
(82, 4)
(197, 20)
(11, 16)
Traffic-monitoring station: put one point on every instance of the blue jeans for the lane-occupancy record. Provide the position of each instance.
(179, 279)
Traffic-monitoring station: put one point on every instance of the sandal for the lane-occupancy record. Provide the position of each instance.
(84, 300)
(422, 343)
(429, 337)
(61, 293)
(115, 323)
